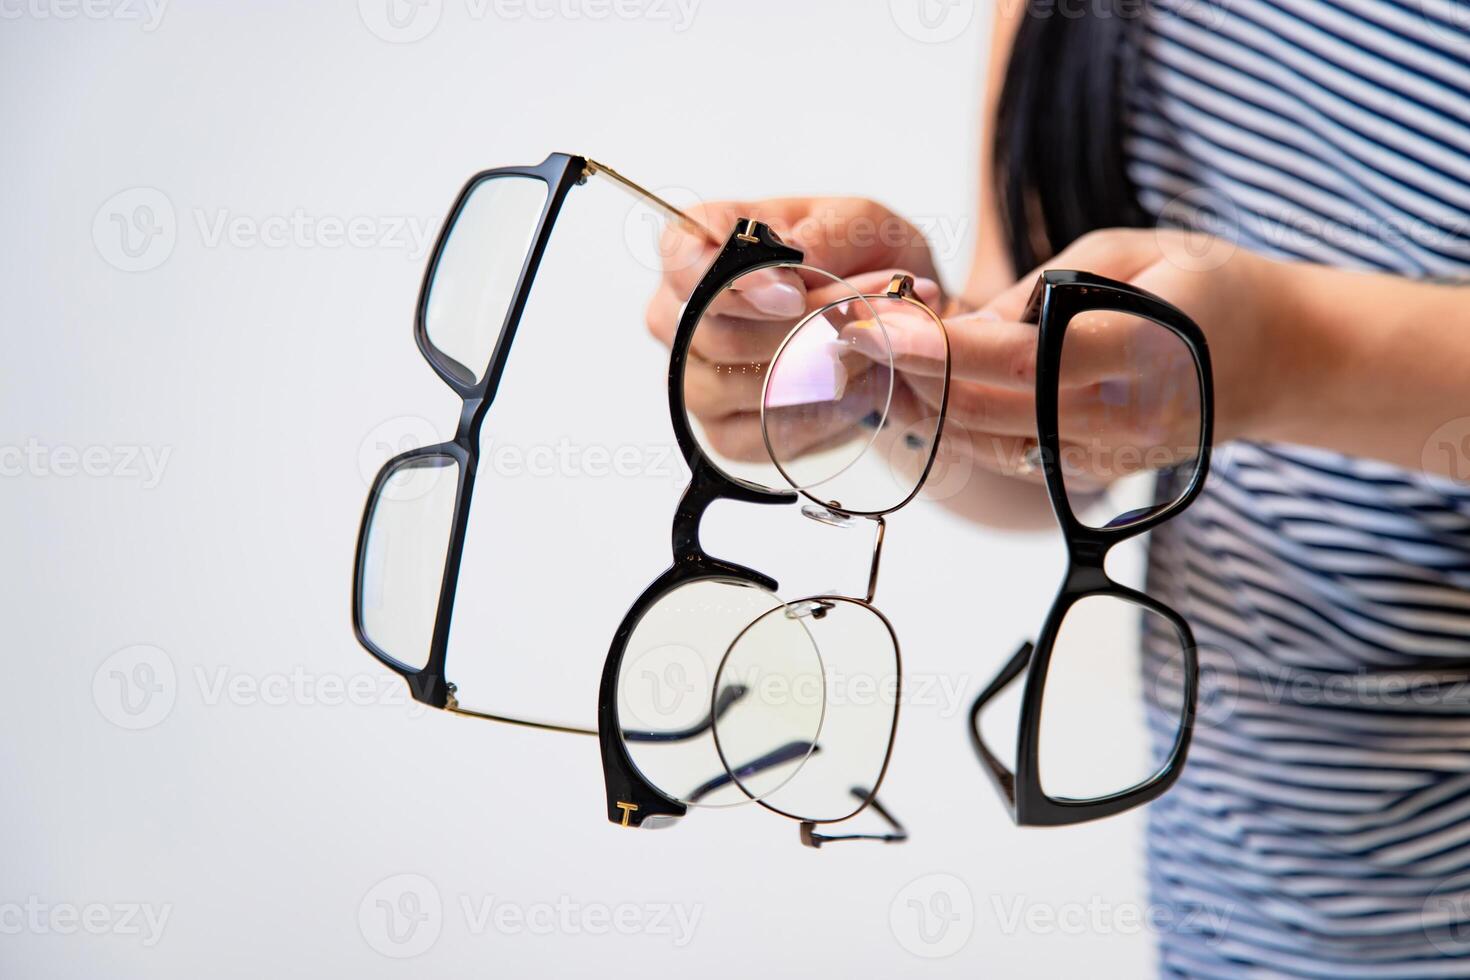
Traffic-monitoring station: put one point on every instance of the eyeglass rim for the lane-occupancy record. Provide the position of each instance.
(900, 289)
(869, 792)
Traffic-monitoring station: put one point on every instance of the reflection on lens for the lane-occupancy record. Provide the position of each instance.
(859, 691)
(835, 370)
(477, 271)
(1129, 412)
(1113, 702)
(832, 397)
(666, 697)
(404, 550)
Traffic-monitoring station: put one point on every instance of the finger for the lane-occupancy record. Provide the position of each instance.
(739, 437)
(1115, 253)
(983, 408)
(982, 349)
(1005, 455)
(662, 315)
(692, 254)
(719, 340)
(728, 333)
(716, 390)
(766, 294)
(687, 255)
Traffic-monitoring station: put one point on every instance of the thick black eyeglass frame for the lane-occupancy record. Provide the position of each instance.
(1058, 298)
(560, 172)
(632, 801)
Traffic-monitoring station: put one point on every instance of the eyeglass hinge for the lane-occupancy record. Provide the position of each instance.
(900, 287)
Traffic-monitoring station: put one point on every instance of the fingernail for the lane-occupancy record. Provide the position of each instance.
(776, 299)
(927, 290)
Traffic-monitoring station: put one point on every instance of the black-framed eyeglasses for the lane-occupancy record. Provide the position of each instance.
(762, 669)
(474, 291)
(1070, 769)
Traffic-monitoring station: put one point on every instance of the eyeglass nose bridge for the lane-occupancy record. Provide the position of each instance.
(838, 518)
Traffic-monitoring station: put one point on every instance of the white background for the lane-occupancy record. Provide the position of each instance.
(258, 811)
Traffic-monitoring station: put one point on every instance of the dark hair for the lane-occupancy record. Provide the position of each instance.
(1058, 153)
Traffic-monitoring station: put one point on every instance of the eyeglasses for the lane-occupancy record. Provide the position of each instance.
(1073, 760)
(473, 294)
(710, 639)
(414, 525)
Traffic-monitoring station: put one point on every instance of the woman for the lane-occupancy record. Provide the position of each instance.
(1327, 145)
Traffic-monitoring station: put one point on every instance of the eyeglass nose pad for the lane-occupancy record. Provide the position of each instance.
(815, 608)
(826, 515)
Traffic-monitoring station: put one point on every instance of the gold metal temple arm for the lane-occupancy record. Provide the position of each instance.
(453, 708)
(685, 221)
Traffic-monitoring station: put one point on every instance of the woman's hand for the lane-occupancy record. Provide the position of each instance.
(1128, 398)
(858, 240)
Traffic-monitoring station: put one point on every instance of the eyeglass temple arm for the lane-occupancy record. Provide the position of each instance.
(790, 752)
(690, 224)
(1000, 774)
(728, 697)
(727, 700)
(899, 834)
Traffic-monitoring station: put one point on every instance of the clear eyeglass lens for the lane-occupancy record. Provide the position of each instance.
(855, 695)
(830, 401)
(404, 550)
(836, 373)
(478, 268)
(1129, 413)
(1113, 702)
(667, 703)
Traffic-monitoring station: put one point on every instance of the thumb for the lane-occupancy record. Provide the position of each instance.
(1118, 253)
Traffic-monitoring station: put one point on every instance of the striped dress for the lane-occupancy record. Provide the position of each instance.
(1322, 826)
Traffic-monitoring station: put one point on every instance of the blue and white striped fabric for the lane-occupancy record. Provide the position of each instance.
(1322, 827)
